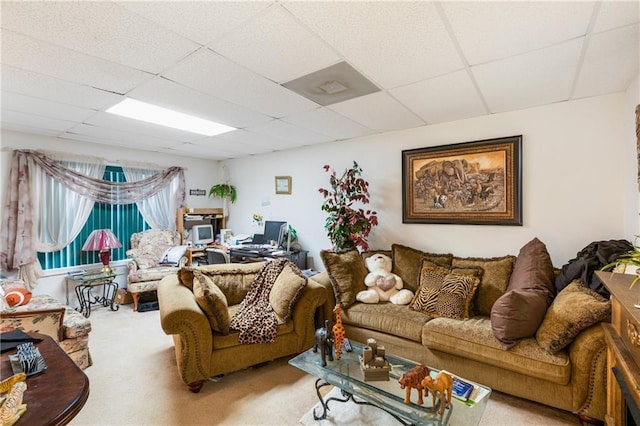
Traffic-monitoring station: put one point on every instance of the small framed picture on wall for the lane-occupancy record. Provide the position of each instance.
(283, 184)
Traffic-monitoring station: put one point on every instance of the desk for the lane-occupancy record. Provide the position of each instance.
(299, 258)
(55, 396)
(84, 284)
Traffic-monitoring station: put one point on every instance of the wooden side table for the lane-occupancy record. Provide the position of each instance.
(55, 396)
(84, 285)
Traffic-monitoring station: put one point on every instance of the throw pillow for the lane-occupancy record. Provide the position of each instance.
(574, 309)
(17, 297)
(496, 272)
(346, 271)
(286, 291)
(406, 263)
(444, 294)
(212, 301)
(518, 313)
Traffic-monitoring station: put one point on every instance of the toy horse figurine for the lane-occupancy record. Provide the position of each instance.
(338, 332)
(324, 342)
(443, 383)
(414, 378)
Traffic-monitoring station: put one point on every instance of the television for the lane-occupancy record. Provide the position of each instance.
(202, 234)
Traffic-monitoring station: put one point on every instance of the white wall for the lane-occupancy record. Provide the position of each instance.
(199, 174)
(572, 156)
(631, 157)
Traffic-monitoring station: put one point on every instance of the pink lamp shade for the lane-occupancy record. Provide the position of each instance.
(102, 240)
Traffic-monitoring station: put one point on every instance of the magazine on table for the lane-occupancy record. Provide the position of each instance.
(467, 391)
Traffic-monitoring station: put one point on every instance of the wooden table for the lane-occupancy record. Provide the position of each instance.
(55, 396)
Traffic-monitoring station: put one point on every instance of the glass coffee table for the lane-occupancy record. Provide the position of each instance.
(387, 395)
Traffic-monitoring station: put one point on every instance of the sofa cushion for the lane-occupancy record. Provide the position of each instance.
(443, 294)
(221, 341)
(286, 291)
(387, 318)
(473, 339)
(151, 274)
(496, 272)
(346, 271)
(212, 302)
(406, 263)
(574, 309)
(519, 312)
(234, 279)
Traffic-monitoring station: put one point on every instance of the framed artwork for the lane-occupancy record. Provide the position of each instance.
(471, 183)
(283, 184)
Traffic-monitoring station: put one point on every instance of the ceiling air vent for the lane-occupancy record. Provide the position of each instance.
(333, 84)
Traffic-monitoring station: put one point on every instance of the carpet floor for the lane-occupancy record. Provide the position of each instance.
(134, 381)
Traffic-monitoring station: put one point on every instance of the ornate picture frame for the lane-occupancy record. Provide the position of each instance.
(470, 183)
(283, 185)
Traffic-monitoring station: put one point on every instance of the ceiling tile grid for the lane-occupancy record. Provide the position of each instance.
(64, 63)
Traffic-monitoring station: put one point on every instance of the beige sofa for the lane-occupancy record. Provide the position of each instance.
(205, 345)
(571, 379)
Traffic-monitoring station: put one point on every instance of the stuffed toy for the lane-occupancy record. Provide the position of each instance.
(383, 285)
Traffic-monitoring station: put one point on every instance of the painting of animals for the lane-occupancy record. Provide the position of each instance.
(468, 183)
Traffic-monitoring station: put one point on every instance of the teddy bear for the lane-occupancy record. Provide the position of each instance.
(383, 285)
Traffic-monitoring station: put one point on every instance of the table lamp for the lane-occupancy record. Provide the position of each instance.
(102, 240)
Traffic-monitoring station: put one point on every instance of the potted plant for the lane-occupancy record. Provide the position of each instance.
(627, 263)
(347, 226)
(227, 192)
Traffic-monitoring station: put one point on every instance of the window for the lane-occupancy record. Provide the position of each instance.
(123, 220)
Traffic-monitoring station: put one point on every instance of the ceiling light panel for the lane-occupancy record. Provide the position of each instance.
(393, 43)
(102, 29)
(143, 111)
(276, 46)
(490, 30)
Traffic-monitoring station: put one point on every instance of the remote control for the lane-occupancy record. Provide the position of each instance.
(347, 345)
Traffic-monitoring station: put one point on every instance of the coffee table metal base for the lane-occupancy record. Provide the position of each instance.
(348, 397)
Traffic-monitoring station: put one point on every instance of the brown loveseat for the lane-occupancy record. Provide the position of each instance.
(195, 313)
(571, 378)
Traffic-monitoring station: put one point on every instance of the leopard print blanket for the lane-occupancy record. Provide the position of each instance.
(255, 319)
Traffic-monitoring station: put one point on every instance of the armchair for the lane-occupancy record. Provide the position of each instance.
(145, 257)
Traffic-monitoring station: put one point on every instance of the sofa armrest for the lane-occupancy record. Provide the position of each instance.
(43, 321)
(326, 312)
(313, 296)
(588, 355)
(181, 317)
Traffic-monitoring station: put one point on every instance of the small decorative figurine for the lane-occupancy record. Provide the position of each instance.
(12, 407)
(338, 332)
(443, 383)
(413, 379)
(373, 363)
(324, 342)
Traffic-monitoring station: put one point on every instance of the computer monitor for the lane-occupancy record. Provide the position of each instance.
(202, 234)
(272, 231)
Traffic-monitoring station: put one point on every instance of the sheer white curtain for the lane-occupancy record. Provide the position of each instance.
(60, 213)
(159, 210)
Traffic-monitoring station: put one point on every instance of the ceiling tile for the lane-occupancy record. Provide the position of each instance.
(328, 122)
(34, 121)
(201, 21)
(102, 29)
(611, 62)
(229, 147)
(129, 125)
(541, 77)
(45, 87)
(220, 153)
(33, 55)
(378, 111)
(288, 132)
(107, 141)
(128, 138)
(43, 108)
(26, 129)
(210, 73)
(613, 14)
(392, 43)
(276, 46)
(488, 30)
(168, 94)
(262, 142)
(447, 98)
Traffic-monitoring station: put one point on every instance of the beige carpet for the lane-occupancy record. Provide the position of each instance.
(134, 381)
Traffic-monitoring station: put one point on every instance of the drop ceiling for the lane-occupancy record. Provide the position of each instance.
(64, 63)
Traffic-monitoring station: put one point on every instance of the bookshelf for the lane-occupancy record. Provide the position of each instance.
(213, 216)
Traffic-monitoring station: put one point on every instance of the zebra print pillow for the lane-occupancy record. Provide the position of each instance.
(443, 294)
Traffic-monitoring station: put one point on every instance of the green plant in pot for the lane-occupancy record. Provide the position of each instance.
(347, 227)
(227, 192)
(630, 258)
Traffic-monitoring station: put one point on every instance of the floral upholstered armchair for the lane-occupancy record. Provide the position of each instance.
(152, 256)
